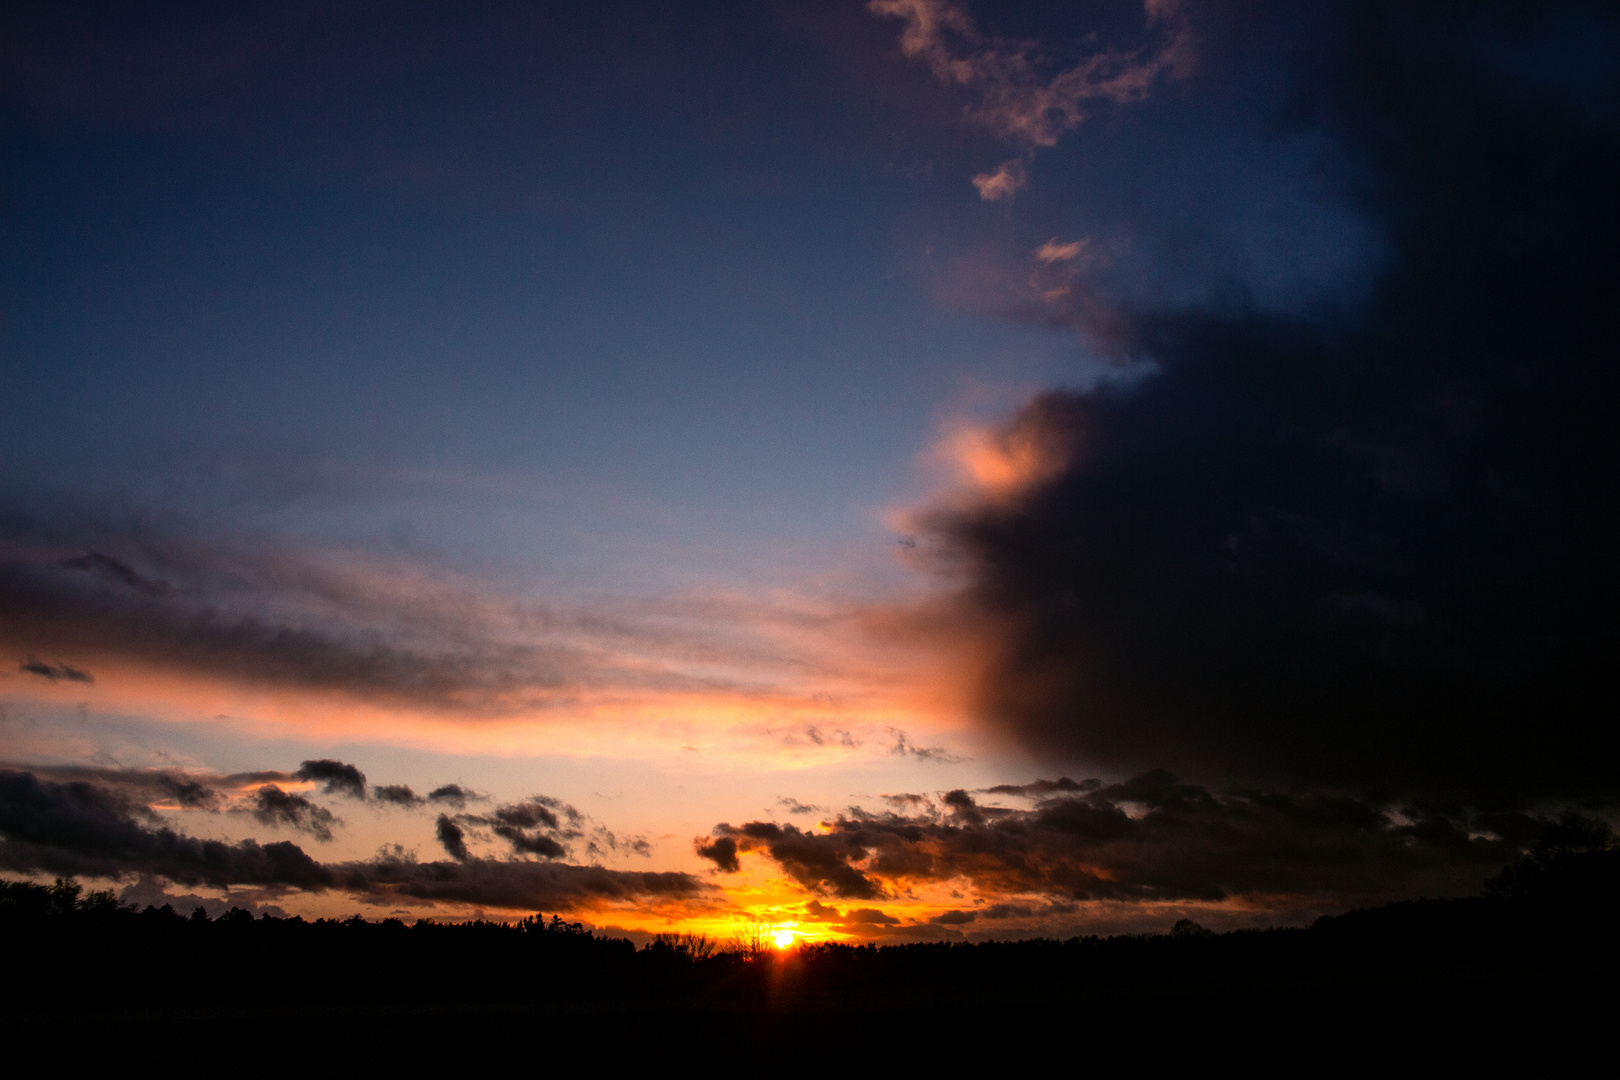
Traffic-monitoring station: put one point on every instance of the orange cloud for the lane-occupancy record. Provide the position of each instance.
(335, 646)
(1002, 460)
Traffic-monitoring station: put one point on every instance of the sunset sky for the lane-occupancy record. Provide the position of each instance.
(902, 470)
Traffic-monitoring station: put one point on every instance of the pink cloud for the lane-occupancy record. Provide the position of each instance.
(1017, 100)
(1005, 181)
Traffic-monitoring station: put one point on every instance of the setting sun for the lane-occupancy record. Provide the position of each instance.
(783, 939)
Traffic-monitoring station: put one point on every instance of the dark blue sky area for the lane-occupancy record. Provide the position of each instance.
(721, 273)
(608, 256)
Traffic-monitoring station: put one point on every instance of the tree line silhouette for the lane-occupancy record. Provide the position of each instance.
(1542, 929)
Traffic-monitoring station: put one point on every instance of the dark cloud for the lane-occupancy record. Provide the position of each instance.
(254, 778)
(540, 825)
(272, 806)
(1154, 838)
(1370, 546)
(816, 861)
(532, 827)
(189, 790)
(81, 828)
(531, 843)
(55, 672)
(794, 806)
(451, 795)
(519, 884)
(396, 795)
(855, 920)
(335, 777)
(874, 924)
(1043, 787)
(86, 829)
(817, 912)
(961, 806)
(452, 838)
(535, 812)
(190, 794)
(869, 917)
(954, 918)
(722, 852)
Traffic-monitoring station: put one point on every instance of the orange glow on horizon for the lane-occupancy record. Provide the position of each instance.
(763, 727)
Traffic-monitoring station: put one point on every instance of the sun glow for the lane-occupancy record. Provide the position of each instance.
(784, 939)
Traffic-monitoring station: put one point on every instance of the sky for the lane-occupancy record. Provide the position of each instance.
(904, 470)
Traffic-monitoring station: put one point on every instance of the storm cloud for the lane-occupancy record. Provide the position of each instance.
(1366, 547)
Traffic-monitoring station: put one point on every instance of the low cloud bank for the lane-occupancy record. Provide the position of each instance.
(84, 828)
(1151, 839)
(514, 885)
(80, 828)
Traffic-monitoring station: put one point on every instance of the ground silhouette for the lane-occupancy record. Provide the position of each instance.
(1520, 977)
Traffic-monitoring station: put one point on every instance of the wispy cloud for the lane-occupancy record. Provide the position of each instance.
(416, 647)
(1020, 98)
(1054, 252)
(904, 747)
(1002, 182)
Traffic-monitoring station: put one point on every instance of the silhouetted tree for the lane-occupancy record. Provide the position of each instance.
(1576, 858)
(752, 940)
